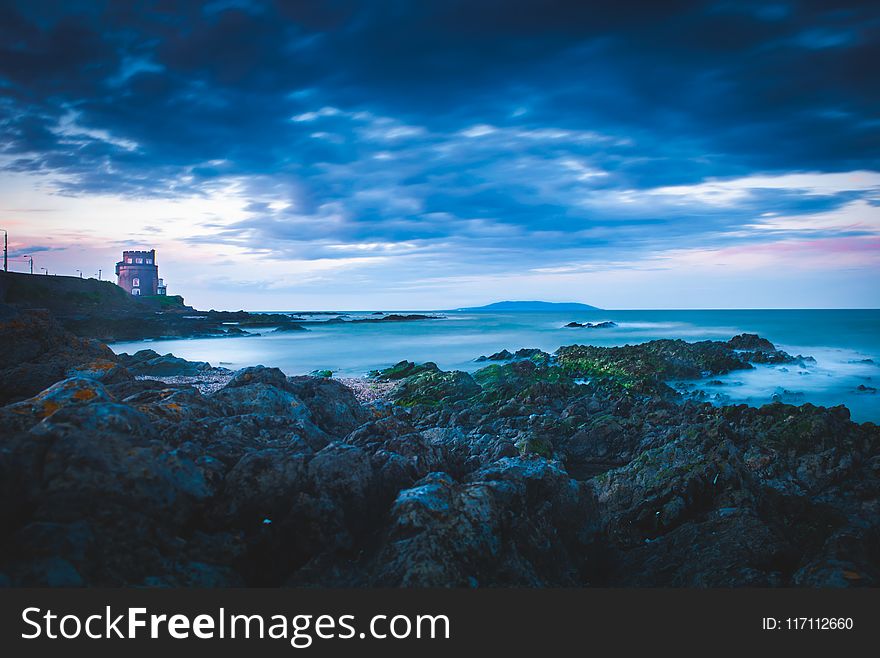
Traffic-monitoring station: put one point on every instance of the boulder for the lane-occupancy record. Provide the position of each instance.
(448, 533)
(333, 406)
(166, 365)
(503, 355)
(38, 352)
(750, 342)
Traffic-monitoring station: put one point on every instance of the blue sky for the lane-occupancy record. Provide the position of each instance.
(331, 154)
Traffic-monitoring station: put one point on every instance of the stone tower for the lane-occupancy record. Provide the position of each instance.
(138, 273)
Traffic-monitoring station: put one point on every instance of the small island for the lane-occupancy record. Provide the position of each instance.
(607, 324)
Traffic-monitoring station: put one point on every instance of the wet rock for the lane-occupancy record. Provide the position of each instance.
(333, 406)
(431, 386)
(149, 363)
(448, 533)
(103, 370)
(38, 352)
(532, 353)
(260, 398)
(750, 342)
(258, 375)
(288, 328)
(503, 355)
(731, 551)
(647, 366)
(404, 369)
(262, 485)
(74, 391)
(590, 325)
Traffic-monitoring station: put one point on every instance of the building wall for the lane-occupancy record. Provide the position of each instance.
(138, 273)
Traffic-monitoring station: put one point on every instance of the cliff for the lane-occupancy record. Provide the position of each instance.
(67, 296)
(89, 308)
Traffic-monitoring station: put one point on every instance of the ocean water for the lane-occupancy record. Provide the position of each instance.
(845, 344)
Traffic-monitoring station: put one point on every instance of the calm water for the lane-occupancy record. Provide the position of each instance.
(840, 341)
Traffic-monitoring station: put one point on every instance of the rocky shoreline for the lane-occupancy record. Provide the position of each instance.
(578, 468)
(103, 311)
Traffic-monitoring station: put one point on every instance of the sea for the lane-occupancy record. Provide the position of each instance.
(844, 343)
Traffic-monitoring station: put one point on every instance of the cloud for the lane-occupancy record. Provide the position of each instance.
(453, 138)
(856, 217)
(728, 192)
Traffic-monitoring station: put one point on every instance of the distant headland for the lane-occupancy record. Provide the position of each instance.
(532, 306)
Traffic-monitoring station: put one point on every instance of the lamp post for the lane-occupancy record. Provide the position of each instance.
(5, 249)
(45, 270)
(80, 273)
(31, 261)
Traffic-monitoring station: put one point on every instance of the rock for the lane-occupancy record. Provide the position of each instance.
(582, 468)
(732, 551)
(521, 379)
(173, 404)
(503, 355)
(525, 353)
(148, 363)
(332, 405)
(258, 375)
(434, 387)
(649, 365)
(288, 328)
(446, 533)
(260, 398)
(844, 560)
(341, 470)
(531, 353)
(262, 485)
(38, 352)
(404, 369)
(750, 342)
(589, 325)
(391, 317)
(74, 391)
(103, 370)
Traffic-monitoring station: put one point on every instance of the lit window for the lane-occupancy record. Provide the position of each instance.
(138, 260)
(136, 283)
(149, 261)
(128, 260)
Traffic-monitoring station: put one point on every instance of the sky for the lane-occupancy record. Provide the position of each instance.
(327, 154)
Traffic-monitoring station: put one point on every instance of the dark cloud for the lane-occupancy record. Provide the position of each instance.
(510, 125)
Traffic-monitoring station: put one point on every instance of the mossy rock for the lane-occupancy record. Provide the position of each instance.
(534, 446)
(404, 369)
(523, 380)
(435, 387)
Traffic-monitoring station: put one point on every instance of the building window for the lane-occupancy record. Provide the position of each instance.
(149, 261)
(135, 291)
(139, 260)
(128, 260)
(135, 283)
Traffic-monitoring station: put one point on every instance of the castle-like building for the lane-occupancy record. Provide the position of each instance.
(138, 274)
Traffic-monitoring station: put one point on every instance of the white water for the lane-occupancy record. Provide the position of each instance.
(838, 340)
